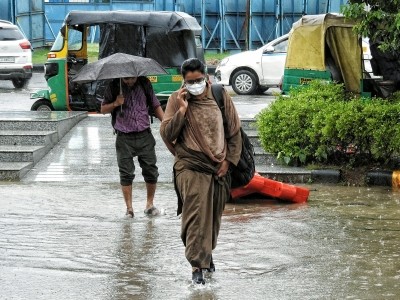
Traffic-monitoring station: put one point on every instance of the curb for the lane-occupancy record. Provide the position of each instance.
(326, 176)
(373, 178)
(383, 178)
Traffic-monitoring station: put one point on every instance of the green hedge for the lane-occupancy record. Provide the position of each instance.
(320, 124)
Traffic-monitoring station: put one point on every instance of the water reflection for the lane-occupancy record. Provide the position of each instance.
(134, 261)
(73, 242)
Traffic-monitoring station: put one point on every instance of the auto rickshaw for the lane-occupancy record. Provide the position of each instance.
(326, 47)
(168, 37)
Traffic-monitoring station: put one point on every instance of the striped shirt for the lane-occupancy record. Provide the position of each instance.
(135, 116)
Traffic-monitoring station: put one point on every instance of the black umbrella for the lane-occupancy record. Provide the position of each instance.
(119, 65)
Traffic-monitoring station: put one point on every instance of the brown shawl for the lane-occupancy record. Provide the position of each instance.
(201, 129)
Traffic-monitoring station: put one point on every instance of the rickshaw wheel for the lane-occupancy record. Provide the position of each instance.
(244, 82)
(42, 105)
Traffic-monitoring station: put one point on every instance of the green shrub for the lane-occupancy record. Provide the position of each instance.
(319, 123)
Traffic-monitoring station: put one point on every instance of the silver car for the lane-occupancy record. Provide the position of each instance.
(15, 55)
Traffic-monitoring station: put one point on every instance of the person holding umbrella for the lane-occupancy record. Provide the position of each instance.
(134, 138)
(129, 98)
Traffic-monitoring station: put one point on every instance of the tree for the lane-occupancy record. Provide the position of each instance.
(377, 19)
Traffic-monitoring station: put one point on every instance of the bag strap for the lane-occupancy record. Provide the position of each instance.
(114, 90)
(146, 85)
(217, 92)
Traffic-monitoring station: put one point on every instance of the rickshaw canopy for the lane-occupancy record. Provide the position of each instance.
(316, 38)
(165, 36)
(170, 21)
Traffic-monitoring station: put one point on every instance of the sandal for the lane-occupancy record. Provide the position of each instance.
(129, 213)
(152, 211)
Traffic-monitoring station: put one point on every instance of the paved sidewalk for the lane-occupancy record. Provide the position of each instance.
(87, 154)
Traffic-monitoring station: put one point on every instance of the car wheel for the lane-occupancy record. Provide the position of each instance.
(19, 83)
(244, 83)
(42, 105)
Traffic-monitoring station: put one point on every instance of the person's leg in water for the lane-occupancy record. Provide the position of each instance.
(148, 162)
(127, 193)
(204, 197)
(126, 170)
(196, 191)
(151, 190)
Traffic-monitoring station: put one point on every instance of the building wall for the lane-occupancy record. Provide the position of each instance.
(227, 24)
(28, 15)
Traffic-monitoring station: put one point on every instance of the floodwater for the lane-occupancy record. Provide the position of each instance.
(63, 234)
(69, 241)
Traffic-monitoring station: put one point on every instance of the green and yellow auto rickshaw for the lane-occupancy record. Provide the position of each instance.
(167, 37)
(326, 47)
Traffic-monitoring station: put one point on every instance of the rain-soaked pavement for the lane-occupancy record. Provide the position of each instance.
(12, 99)
(63, 235)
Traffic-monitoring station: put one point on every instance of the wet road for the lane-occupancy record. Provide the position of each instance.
(70, 241)
(63, 234)
(12, 99)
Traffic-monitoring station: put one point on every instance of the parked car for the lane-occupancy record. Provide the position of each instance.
(254, 71)
(15, 55)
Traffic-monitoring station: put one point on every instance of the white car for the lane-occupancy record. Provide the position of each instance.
(254, 71)
(15, 55)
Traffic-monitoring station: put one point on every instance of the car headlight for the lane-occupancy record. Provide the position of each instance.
(224, 62)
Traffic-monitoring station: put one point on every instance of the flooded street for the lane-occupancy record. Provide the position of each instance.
(72, 242)
(63, 233)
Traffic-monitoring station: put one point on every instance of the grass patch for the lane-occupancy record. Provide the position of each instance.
(39, 55)
(93, 52)
(214, 58)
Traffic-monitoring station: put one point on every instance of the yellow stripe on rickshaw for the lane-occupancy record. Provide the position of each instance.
(153, 79)
(177, 78)
(305, 80)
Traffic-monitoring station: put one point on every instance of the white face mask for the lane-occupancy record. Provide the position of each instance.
(196, 88)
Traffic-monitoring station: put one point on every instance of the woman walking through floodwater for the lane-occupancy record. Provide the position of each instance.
(193, 130)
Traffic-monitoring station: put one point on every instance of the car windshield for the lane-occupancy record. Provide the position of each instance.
(282, 46)
(10, 34)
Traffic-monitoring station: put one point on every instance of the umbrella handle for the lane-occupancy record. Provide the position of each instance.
(120, 90)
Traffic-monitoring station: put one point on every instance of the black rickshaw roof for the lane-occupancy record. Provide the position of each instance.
(171, 21)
